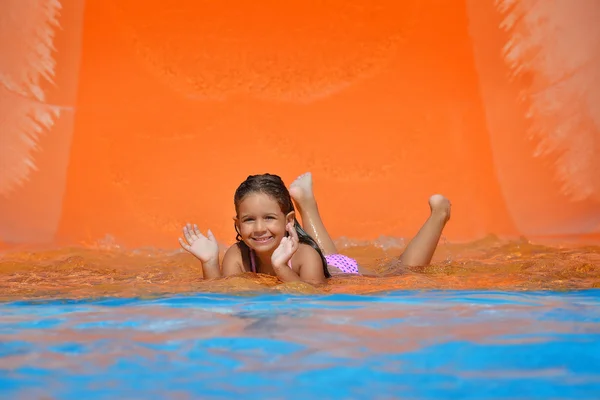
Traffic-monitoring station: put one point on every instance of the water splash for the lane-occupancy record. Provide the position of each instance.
(27, 29)
(553, 48)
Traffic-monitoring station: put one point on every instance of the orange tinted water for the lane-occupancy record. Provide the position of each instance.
(107, 270)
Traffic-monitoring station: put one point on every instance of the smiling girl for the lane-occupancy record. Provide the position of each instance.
(271, 241)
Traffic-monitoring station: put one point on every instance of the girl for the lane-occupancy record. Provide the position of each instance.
(271, 241)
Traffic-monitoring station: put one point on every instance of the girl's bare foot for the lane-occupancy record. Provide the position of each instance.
(440, 206)
(301, 190)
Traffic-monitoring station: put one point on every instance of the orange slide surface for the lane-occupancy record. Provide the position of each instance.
(124, 119)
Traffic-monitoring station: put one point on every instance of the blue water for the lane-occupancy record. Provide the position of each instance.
(456, 344)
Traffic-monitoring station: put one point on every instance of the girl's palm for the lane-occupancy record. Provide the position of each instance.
(205, 248)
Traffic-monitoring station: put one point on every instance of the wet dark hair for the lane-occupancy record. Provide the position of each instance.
(273, 186)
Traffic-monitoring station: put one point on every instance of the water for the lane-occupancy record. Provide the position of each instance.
(487, 264)
(399, 344)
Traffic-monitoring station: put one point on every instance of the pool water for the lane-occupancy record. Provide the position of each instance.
(398, 344)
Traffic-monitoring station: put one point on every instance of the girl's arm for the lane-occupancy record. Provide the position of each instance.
(286, 274)
(211, 269)
(311, 265)
(283, 254)
(311, 269)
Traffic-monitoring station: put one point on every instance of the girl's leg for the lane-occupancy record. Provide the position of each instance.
(302, 193)
(420, 250)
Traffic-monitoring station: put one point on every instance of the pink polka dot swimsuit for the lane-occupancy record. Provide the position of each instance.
(345, 264)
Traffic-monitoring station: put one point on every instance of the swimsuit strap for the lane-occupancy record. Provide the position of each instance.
(253, 261)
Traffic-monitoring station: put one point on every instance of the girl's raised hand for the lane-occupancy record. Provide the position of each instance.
(286, 249)
(205, 248)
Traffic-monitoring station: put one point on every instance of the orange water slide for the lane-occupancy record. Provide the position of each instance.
(127, 118)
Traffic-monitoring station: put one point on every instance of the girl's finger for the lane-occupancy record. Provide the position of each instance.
(186, 233)
(196, 230)
(293, 232)
(210, 236)
(191, 232)
(184, 244)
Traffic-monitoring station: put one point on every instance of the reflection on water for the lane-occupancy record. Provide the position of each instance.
(445, 344)
(108, 270)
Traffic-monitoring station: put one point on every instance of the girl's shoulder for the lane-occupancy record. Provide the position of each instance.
(308, 264)
(237, 257)
(305, 252)
(234, 250)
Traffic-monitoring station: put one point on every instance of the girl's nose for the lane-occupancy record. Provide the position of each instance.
(259, 226)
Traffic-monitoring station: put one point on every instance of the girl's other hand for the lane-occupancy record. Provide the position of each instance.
(286, 249)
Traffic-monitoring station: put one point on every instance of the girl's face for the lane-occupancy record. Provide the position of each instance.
(261, 223)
